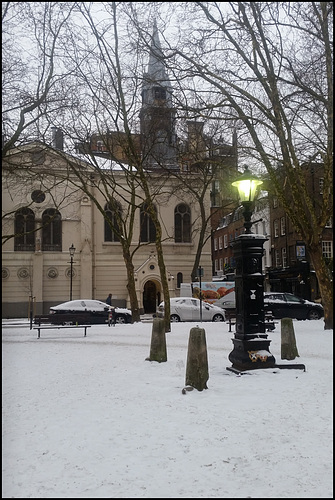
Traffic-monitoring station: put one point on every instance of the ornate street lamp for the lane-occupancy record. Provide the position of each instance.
(250, 343)
(247, 185)
(72, 251)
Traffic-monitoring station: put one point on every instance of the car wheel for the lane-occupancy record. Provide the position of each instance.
(120, 319)
(217, 318)
(174, 318)
(313, 314)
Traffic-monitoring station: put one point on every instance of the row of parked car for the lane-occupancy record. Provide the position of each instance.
(282, 305)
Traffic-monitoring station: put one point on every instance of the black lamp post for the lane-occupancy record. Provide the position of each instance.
(72, 251)
(250, 343)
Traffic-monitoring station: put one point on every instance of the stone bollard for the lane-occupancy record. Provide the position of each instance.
(197, 362)
(158, 341)
(288, 343)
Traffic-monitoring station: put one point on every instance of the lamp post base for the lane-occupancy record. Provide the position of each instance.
(251, 354)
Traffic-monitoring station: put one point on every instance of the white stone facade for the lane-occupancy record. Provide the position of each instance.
(42, 278)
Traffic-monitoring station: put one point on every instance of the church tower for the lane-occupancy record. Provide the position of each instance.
(157, 116)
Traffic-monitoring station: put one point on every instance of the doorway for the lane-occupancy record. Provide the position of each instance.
(150, 297)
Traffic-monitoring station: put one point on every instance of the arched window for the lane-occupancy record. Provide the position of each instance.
(182, 224)
(179, 279)
(147, 229)
(51, 230)
(111, 223)
(24, 227)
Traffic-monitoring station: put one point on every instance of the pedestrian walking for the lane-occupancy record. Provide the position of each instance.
(111, 314)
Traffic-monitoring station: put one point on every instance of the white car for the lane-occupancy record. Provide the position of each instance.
(188, 309)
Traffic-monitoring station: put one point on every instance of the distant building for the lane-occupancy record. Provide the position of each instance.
(292, 269)
(229, 228)
(286, 263)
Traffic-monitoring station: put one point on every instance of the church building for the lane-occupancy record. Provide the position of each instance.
(44, 215)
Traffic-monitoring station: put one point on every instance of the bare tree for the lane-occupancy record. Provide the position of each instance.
(108, 84)
(204, 163)
(109, 106)
(32, 77)
(269, 65)
(202, 153)
(32, 90)
(266, 68)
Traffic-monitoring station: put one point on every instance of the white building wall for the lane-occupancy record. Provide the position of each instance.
(99, 268)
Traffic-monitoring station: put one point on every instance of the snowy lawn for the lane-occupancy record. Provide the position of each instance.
(89, 417)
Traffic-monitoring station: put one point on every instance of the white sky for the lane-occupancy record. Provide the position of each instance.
(91, 418)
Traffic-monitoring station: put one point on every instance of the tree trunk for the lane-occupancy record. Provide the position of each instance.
(131, 287)
(324, 277)
(165, 284)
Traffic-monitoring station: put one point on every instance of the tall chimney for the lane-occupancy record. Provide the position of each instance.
(196, 142)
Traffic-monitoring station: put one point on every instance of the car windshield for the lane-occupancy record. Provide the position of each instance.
(274, 298)
(292, 298)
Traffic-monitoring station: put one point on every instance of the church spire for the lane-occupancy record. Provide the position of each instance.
(156, 69)
(157, 116)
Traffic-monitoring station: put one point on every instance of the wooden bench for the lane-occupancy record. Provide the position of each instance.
(270, 324)
(76, 319)
(41, 318)
(54, 327)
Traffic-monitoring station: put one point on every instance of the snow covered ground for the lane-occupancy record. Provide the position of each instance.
(89, 417)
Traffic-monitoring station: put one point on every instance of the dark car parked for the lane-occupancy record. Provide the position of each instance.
(87, 311)
(287, 305)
